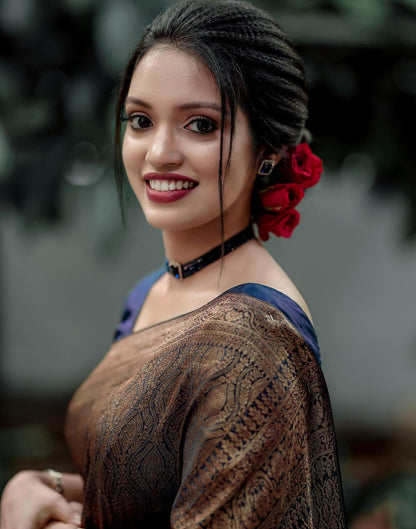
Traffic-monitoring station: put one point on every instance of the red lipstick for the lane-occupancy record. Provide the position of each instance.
(168, 187)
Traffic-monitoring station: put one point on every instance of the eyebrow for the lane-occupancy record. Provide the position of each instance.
(186, 106)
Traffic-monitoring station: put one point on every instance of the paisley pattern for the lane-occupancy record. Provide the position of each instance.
(217, 419)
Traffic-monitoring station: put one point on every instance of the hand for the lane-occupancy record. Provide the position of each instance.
(54, 524)
(28, 502)
(76, 510)
(60, 525)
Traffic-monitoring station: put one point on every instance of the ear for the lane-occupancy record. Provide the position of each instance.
(265, 154)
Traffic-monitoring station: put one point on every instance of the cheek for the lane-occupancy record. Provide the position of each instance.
(243, 167)
(132, 165)
(133, 159)
(204, 156)
(241, 178)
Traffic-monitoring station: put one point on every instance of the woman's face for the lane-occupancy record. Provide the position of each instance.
(172, 141)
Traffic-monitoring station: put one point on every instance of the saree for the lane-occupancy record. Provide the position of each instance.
(218, 418)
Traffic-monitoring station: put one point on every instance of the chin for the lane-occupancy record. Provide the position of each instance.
(176, 223)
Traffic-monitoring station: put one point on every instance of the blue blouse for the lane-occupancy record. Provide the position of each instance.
(293, 312)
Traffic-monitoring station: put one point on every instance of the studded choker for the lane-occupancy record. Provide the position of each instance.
(182, 271)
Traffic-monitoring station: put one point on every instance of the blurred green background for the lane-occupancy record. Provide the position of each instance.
(66, 263)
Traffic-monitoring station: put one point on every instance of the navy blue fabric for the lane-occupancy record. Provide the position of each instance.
(134, 302)
(280, 301)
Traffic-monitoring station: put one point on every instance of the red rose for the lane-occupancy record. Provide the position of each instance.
(281, 196)
(306, 168)
(281, 224)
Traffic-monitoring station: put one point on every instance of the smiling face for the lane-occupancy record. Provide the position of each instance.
(172, 141)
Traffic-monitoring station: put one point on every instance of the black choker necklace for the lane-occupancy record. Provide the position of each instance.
(181, 271)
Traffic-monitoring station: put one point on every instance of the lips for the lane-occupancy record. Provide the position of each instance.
(168, 187)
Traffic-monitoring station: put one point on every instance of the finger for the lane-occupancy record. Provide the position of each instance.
(68, 512)
(77, 509)
(59, 525)
(58, 510)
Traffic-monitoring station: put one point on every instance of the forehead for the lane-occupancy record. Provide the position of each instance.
(169, 71)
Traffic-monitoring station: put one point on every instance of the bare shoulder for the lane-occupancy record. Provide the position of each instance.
(256, 265)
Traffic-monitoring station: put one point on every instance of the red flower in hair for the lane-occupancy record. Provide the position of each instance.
(281, 196)
(281, 223)
(302, 170)
(305, 167)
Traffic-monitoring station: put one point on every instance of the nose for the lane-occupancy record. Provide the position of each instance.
(164, 148)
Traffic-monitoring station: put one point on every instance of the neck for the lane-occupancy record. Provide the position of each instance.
(182, 271)
(185, 245)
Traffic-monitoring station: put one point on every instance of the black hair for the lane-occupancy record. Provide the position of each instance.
(252, 61)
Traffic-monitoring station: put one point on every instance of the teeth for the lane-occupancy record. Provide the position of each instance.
(170, 185)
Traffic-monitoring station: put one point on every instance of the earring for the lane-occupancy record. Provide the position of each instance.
(266, 167)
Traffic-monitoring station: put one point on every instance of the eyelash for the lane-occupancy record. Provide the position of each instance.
(131, 117)
(199, 119)
(203, 119)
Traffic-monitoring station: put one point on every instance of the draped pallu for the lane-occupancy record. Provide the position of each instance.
(216, 419)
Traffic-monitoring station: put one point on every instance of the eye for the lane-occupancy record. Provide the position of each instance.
(138, 121)
(202, 125)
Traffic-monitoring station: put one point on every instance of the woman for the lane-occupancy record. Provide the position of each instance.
(210, 409)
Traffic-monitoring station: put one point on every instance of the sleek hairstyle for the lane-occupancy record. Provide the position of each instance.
(252, 61)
